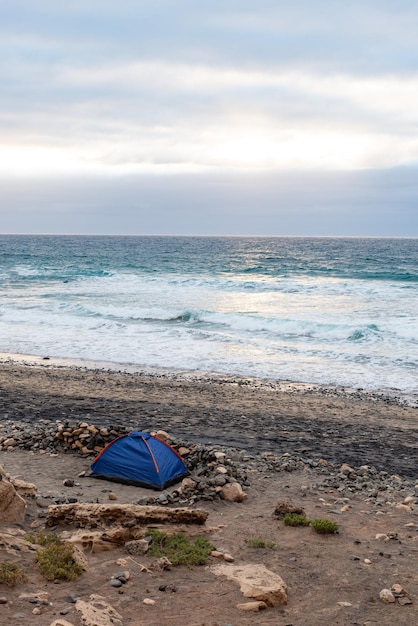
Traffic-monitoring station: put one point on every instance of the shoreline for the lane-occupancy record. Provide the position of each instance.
(332, 424)
(395, 396)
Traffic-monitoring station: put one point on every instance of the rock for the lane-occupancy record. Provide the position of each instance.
(148, 601)
(79, 557)
(187, 484)
(3, 600)
(90, 515)
(102, 541)
(170, 587)
(387, 596)
(162, 434)
(255, 581)
(404, 507)
(283, 508)
(61, 622)
(137, 546)
(404, 600)
(26, 490)
(42, 597)
(233, 492)
(228, 557)
(12, 506)
(73, 597)
(98, 612)
(398, 590)
(112, 496)
(346, 469)
(252, 606)
(217, 554)
(163, 563)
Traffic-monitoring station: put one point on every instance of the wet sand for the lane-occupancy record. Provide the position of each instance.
(335, 424)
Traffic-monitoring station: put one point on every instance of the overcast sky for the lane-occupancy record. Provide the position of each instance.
(209, 117)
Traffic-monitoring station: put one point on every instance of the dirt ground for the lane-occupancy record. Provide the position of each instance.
(329, 582)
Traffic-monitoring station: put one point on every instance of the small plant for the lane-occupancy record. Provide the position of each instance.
(11, 574)
(259, 543)
(296, 519)
(43, 539)
(56, 558)
(324, 526)
(178, 549)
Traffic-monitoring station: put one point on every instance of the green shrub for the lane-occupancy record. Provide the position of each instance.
(56, 558)
(43, 539)
(296, 519)
(324, 526)
(11, 574)
(259, 543)
(178, 549)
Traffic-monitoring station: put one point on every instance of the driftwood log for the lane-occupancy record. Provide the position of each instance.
(89, 515)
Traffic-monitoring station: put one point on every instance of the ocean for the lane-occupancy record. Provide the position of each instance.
(324, 311)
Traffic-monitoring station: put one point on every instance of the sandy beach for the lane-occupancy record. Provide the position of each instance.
(331, 580)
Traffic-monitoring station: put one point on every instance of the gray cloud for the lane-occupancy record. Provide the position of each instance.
(116, 87)
(369, 203)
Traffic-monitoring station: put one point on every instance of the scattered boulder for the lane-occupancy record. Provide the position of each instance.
(283, 508)
(255, 581)
(42, 597)
(101, 541)
(162, 434)
(387, 596)
(24, 489)
(80, 558)
(97, 612)
(233, 492)
(137, 546)
(12, 505)
(400, 594)
(91, 515)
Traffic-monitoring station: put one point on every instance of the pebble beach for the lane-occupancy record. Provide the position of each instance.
(339, 425)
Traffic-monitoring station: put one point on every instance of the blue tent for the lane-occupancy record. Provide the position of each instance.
(139, 459)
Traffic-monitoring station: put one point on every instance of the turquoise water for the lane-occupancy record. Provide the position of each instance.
(325, 311)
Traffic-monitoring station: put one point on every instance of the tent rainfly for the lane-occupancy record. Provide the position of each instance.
(139, 459)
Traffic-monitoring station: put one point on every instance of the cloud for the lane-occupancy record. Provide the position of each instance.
(101, 90)
(372, 202)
